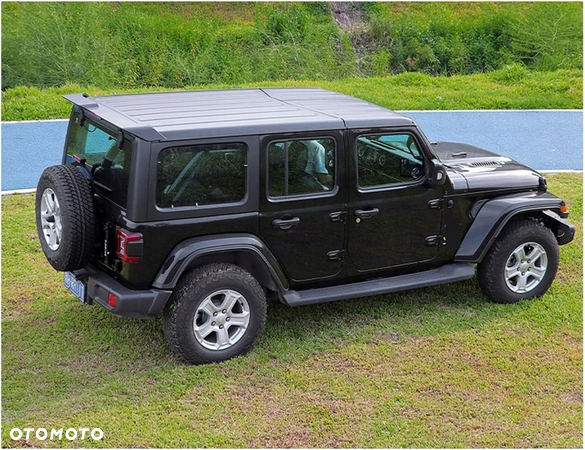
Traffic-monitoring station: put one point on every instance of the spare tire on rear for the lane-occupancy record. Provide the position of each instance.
(65, 217)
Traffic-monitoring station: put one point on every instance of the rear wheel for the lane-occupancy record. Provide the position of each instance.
(216, 313)
(522, 263)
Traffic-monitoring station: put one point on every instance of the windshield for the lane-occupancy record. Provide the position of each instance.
(96, 144)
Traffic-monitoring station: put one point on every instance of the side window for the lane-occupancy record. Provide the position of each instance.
(388, 159)
(301, 167)
(201, 175)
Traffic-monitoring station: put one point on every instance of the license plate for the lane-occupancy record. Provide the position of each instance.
(77, 287)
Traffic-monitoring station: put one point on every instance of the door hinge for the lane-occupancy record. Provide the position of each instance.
(436, 203)
(335, 255)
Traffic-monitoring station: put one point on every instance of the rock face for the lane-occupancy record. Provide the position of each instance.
(347, 15)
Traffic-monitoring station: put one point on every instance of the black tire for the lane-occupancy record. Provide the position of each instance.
(490, 271)
(77, 217)
(192, 290)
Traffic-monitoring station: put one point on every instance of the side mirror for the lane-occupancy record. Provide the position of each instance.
(437, 175)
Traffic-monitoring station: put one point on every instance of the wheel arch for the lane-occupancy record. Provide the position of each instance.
(495, 214)
(244, 250)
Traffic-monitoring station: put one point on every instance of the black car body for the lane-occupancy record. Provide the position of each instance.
(400, 211)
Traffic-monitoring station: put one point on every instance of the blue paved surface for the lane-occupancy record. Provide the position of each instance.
(27, 148)
(544, 140)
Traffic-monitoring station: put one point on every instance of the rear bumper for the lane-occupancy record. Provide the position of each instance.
(129, 302)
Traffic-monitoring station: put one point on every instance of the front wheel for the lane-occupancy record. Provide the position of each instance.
(522, 263)
(216, 313)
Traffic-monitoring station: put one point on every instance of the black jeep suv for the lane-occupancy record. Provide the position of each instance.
(198, 204)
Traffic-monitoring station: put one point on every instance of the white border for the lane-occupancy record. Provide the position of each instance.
(485, 110)
(561, 171)
(34, 121)
(19, 191)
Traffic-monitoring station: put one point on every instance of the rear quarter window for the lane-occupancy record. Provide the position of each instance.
(199, 175)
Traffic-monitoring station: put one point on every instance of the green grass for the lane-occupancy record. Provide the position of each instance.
(167, 44)
(463, 37)
(513, 87)
(436, 367)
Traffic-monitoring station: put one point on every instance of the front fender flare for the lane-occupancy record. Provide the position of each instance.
(186, 253)
(494, 215)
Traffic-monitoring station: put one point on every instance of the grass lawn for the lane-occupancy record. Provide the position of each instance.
(510, 88)
(435, 367)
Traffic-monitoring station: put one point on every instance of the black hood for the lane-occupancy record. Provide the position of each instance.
(484, 170)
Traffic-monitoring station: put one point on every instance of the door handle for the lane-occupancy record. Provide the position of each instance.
(338, 216)
(285, 224)
(366, 213)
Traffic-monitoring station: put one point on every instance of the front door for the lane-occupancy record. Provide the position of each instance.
(303, 210)
(394, 219)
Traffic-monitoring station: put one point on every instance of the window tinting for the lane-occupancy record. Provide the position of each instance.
(388, 159)
(201, 175)
(301, 167)
(95, 145)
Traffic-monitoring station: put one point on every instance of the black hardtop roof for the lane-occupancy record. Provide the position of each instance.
(158, 116)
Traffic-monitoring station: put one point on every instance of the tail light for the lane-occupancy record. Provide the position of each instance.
(128, 245)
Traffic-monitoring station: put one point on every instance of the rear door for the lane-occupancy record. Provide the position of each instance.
(394, 218)
(110, 161)
(303, 213)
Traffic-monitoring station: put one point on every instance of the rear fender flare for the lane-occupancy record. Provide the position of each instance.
(247, 248)
(493, 217)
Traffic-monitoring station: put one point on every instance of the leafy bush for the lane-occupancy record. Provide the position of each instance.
(179, 44)
(155, 44)
(458, 38)
(550, 37)
(510, 74)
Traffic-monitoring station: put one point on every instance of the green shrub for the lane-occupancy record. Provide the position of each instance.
(381, 62)
(457, 38)
(549, 37)
(178, 44)
(510, 74)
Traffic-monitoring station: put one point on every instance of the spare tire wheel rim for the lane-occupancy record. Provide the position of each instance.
(526, 267)
(51, 219)
(221, 319)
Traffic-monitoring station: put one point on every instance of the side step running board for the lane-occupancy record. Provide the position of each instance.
(444, 274)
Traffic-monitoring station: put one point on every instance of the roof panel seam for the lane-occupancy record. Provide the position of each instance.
(308, 109)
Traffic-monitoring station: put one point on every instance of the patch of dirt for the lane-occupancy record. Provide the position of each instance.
(347, 15)
(20, 444)
(12, 308)
(572, 398)
(282, 415)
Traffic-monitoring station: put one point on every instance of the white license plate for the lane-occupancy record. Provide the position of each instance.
(77, 287)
